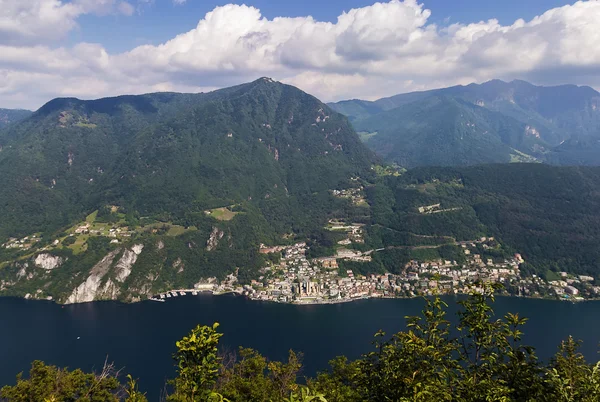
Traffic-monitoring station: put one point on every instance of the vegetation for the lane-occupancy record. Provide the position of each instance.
(171, 155)
(482, 358)
(9, 116)
(260, 158)
(443, 131)
(547, 214)
(222, 214)
(488, 123)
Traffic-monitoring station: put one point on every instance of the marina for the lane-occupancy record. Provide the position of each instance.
(161, 297)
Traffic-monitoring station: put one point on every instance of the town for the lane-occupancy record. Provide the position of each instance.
(299, 280)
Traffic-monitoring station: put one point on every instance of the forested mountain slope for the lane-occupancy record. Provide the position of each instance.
(548, 214)
(516, 121)
(215, 173)
(445, 131)
(171, 153)
(9, 116)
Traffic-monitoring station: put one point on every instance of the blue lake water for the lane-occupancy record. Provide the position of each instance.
(141, 337)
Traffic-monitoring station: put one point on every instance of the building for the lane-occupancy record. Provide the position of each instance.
(571, 290)
(328, 262)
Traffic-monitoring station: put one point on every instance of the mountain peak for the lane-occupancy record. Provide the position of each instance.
(264, 81)
(494, 81)
(521, 82)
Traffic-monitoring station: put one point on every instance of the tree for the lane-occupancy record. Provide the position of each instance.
(569, 378)
(50, 383)
(197, 365)
(252, 378)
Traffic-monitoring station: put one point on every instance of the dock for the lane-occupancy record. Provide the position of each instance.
(175, 293)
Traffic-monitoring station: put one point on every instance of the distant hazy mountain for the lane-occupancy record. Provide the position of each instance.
(8, 116)
(492, 122)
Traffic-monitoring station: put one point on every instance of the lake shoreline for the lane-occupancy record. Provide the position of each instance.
(188, 292)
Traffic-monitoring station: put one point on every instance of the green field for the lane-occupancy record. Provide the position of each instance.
(92, 217)
(176, 230)
(80, 244)
(520, 157)
(222, 214)
(166, 228)
(366, 136)
(86, 125)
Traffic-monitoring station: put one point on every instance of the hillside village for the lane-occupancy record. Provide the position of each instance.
(290, 276)
(300, 280)
(296, 279)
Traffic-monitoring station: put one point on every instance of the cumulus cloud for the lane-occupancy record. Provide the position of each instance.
(26, 22)
(374, 51)
(125, 8)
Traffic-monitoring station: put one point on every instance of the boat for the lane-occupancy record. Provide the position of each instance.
(195, 293)
(182, 293)
(168, 294)
(162, 296)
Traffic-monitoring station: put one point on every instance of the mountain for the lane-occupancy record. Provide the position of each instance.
(220, 171)
(162, 153)
(442, 130)
(8, 116)
(492, 122)
(126, 197)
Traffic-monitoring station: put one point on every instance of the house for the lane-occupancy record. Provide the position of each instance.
(328, 262)
(571, 290)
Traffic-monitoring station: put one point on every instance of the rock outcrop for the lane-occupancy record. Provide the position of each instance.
(125, 263)
(213, 241)
(47, 261)
(91, 289)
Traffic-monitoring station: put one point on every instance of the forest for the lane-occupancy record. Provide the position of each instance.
(546, 213)
(492, 122)
(171, 155)
(481, 358)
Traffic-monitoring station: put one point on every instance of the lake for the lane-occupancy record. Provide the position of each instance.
(141, 337)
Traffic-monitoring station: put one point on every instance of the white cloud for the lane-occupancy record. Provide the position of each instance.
(374, 51)
(27, 22)
(126, 8)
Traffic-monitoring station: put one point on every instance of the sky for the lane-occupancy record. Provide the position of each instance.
(334, 49)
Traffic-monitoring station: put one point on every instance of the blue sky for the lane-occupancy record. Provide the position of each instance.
(345, 49)
(159, 20)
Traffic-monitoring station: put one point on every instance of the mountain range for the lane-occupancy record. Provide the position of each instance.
(495, 122)
(126, 197)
